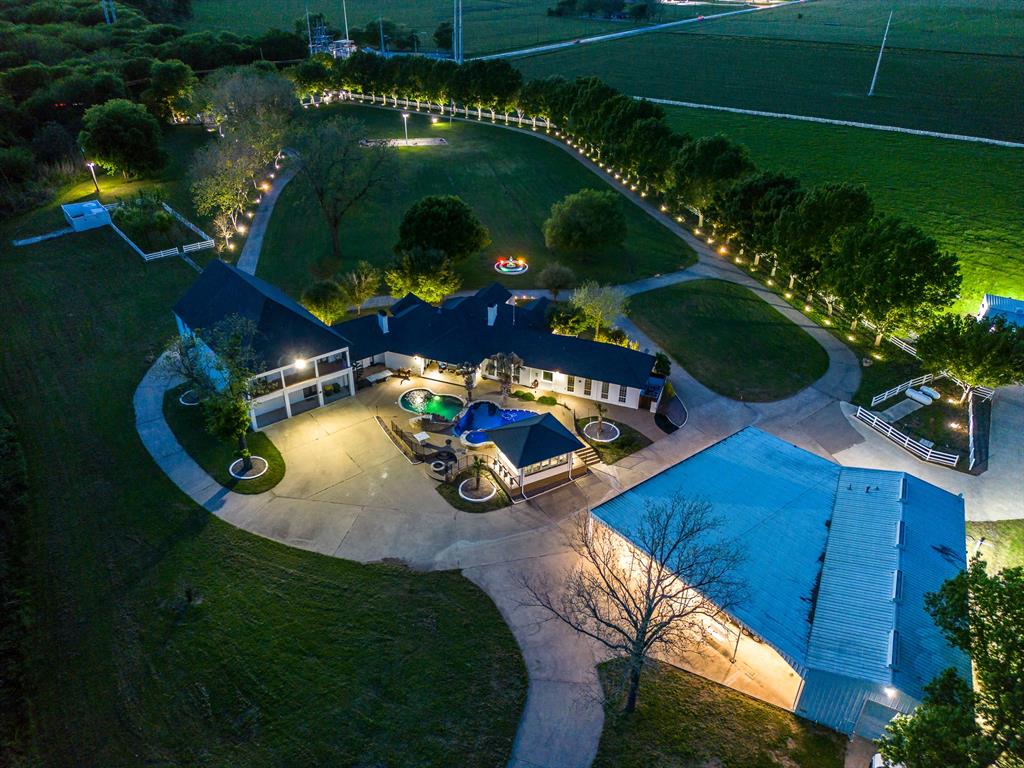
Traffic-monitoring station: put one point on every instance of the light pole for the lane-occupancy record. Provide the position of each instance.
(92, 168)
(405, 120)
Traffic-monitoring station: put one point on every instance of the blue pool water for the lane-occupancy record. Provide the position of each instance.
(484, 415)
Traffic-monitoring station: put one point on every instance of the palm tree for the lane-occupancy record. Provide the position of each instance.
(468, 379)
(505, 365)
(601, 411)
(478, 467)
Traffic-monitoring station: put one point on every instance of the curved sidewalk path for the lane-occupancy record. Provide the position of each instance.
(249, 259)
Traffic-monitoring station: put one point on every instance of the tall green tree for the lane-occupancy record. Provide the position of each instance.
(703, 169)
(747, 211)
(121, 136)
(230, 381)
(171, 84)
(982, 614)
(943, 732)
(326, 300)
(340, 171)
(893, 275)
(360, 284)
(556, 278)
(588, 220)
(428, 274)
(443, 223)
(599, 304)
(810, 232)
(979, 353)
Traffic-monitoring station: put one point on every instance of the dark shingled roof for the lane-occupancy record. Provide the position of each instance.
(457, 332)
(534, 439)
(284, 329)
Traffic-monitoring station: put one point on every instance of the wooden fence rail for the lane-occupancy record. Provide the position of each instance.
(905, 442)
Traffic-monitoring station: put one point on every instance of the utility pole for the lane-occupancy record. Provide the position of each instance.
(344, 11)
(874, 78)
(380, 27)
(309, 32)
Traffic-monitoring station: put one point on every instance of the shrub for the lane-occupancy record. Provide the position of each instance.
(547, 400)
(523, 395)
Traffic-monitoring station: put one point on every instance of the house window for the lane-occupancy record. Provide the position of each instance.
(517, 374)
(309, 392)
(604, 390)
(622, 393)
(547, 375)
(901, 533)
(897, 586)
(570, 383)
(894, 648)
(587, 383)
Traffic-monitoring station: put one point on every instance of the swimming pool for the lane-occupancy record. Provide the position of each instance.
(482, 415)
(424, 401)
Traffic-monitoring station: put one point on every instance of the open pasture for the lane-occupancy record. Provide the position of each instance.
(969, 197)
(822, 65)
(489, 25)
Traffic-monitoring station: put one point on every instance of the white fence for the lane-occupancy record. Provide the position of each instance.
(905, 442)
(901, 388)
(420, 105)
(161, 254)
(186, 222)
(197, 246)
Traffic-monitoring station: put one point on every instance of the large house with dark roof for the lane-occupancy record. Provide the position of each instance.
(308, 364)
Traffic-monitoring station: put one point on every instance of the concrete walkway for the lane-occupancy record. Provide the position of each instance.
(249, 259)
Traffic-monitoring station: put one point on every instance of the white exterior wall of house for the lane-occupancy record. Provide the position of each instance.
(299, 390)
(567, 384)
(298, 395)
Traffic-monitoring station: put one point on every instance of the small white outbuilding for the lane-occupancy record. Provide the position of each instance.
(88, 215)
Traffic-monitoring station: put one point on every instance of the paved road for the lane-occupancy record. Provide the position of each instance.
(628, 33)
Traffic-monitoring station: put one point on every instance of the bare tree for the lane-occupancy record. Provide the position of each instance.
(657, 593)
(340, 170)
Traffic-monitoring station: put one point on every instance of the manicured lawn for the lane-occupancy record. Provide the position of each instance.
(283, 657)
(214, 456)
(776, 62)
(966, 196)
(1004, 542)
(685, 721)
(629, 441)
(510, 180)
(450, 492)
(935, 422)
(730, 340)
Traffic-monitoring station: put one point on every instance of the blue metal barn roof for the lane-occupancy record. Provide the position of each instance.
(774, 499)
(804, 521)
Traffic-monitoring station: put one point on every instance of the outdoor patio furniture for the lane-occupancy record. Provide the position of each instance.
(373, 378)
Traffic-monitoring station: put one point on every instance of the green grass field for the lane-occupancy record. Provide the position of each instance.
(510, 180)
(488, 25)
(968, 197)
(189, 427)
(1004, 542)
(685, 721)
(729, 339)
(281, 657)
(822, 65)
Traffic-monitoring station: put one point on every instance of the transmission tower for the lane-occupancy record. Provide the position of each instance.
(109, 11)
(457, 32)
